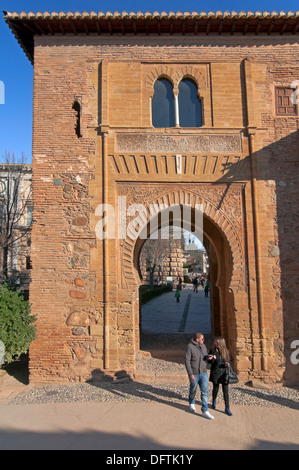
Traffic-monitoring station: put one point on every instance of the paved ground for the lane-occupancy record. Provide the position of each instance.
(135, 426)
(164, 315)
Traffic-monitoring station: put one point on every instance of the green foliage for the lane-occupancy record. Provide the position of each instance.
(17, 330)
(147, 294)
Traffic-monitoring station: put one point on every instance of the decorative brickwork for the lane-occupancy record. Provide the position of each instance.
(241, 165)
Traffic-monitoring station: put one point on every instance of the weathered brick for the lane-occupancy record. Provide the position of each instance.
(241, 165)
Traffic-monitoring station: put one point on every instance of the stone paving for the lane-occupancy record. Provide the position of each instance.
(144, 416)
(164, 315)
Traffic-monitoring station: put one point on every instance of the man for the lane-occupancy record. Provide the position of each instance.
(206, 289)
(195, 361)
(195, 284)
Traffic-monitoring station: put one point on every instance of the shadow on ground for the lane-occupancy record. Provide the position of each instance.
(19, 369)
(168, 346)
(96, 440)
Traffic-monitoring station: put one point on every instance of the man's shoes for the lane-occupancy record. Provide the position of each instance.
(207, 415)
(192, 408)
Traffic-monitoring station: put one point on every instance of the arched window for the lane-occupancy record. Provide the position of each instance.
(163, 104)
(190, 113)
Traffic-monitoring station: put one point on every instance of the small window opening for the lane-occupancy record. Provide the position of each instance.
(77, 108)
(28, 262)
(284, 102)
(29, 215)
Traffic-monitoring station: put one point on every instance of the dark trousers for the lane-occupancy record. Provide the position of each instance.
(225, 393)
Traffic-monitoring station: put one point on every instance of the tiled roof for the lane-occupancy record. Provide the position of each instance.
(26, 25)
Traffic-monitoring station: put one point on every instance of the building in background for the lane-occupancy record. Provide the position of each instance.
(163, 259)
(16, 211)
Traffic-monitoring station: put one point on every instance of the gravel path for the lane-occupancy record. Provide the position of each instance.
(164, 393)
(107, 390)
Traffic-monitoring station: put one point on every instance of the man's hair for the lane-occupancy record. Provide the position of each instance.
(197, 335)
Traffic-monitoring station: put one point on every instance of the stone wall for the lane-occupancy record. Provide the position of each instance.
(241, 165)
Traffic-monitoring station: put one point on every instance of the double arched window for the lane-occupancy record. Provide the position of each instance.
(182, 110)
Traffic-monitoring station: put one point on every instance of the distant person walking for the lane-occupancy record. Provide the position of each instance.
(177, 295)
(195, 284)
(196, 356)
(219, 362)
(206, 289)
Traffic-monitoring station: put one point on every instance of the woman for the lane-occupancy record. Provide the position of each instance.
(219, 363)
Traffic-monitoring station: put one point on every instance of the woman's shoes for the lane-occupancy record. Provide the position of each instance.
(227, 409)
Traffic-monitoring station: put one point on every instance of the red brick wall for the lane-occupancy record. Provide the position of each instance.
(82, 322)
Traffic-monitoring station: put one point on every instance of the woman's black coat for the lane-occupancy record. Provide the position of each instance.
(218, 369)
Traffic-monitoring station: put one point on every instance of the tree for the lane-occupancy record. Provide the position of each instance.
(17, 330)
(156, 251)
(15, 194)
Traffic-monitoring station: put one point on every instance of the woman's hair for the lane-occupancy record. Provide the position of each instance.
(220, 344)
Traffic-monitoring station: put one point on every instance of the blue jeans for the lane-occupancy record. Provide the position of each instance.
(202, 381)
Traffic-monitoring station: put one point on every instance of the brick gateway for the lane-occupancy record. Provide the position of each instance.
(95, 79)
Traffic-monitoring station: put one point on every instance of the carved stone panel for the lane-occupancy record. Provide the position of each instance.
(142, 142)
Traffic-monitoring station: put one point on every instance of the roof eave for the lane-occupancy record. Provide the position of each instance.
(26, 25)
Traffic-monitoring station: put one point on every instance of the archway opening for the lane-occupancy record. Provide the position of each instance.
(175, 294)
(214, 319)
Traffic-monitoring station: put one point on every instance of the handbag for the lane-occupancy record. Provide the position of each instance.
(231, 376)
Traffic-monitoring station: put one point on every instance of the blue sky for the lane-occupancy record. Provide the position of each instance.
(17, 73)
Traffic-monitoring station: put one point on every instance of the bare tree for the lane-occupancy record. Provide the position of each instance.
(15, 195)
(154, 252)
